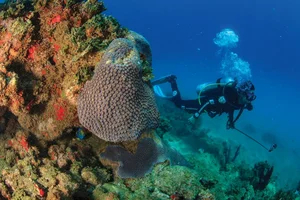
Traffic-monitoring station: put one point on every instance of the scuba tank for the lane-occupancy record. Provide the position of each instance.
(205, 87)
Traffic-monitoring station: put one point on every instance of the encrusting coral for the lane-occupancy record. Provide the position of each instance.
(30, 172)
(48, 51)
(44, 45)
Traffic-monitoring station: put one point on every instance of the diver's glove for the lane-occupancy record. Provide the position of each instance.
(230, 125)
(171, 78)
(249, 106)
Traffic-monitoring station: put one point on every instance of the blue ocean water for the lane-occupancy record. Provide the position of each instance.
(181, 35)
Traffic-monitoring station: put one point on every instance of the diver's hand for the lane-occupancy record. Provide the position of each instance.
(230, 125)
(171, 78)
(249, 107)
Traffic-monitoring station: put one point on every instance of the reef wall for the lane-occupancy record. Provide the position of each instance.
(48, 50)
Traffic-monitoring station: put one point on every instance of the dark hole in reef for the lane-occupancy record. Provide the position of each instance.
(38, 109)
(34, 141)
(81, 195)
(51, 60)
(26, 79)
(36, 22)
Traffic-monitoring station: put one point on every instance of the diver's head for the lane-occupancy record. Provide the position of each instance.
(246, 92)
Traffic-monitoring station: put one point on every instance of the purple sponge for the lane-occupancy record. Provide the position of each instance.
(134, 165)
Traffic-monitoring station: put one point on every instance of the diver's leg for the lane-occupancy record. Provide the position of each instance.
(163, 79)
(172, 80)
(190, 106)
(176, 97)
(175, 92)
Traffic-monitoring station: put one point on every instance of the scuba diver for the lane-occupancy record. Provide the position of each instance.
(223, 96)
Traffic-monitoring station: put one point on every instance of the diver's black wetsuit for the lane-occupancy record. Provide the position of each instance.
(215, 108)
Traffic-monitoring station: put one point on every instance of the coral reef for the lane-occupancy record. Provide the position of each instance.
(220, 164)
(48, 50)
(144, 50)
(164, 182)
(63, 172)
(262, 175)
(286, 195)
(136, 159)
(228, 158)
(69, 168)
(117, 104)
(164, 126)
(169, 182)
(50, 53)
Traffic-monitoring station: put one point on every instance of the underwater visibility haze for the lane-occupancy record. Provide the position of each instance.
(84, 114)
(182, 36)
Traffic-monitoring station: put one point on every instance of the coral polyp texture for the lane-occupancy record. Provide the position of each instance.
(48, 50)
(117, 104)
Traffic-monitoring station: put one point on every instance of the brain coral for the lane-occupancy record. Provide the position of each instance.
(142, 45)
(117, 105)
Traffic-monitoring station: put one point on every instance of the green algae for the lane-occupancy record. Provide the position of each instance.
(97, 33)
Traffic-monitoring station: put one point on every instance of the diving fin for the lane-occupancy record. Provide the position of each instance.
(159, 92)
(163, 79)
